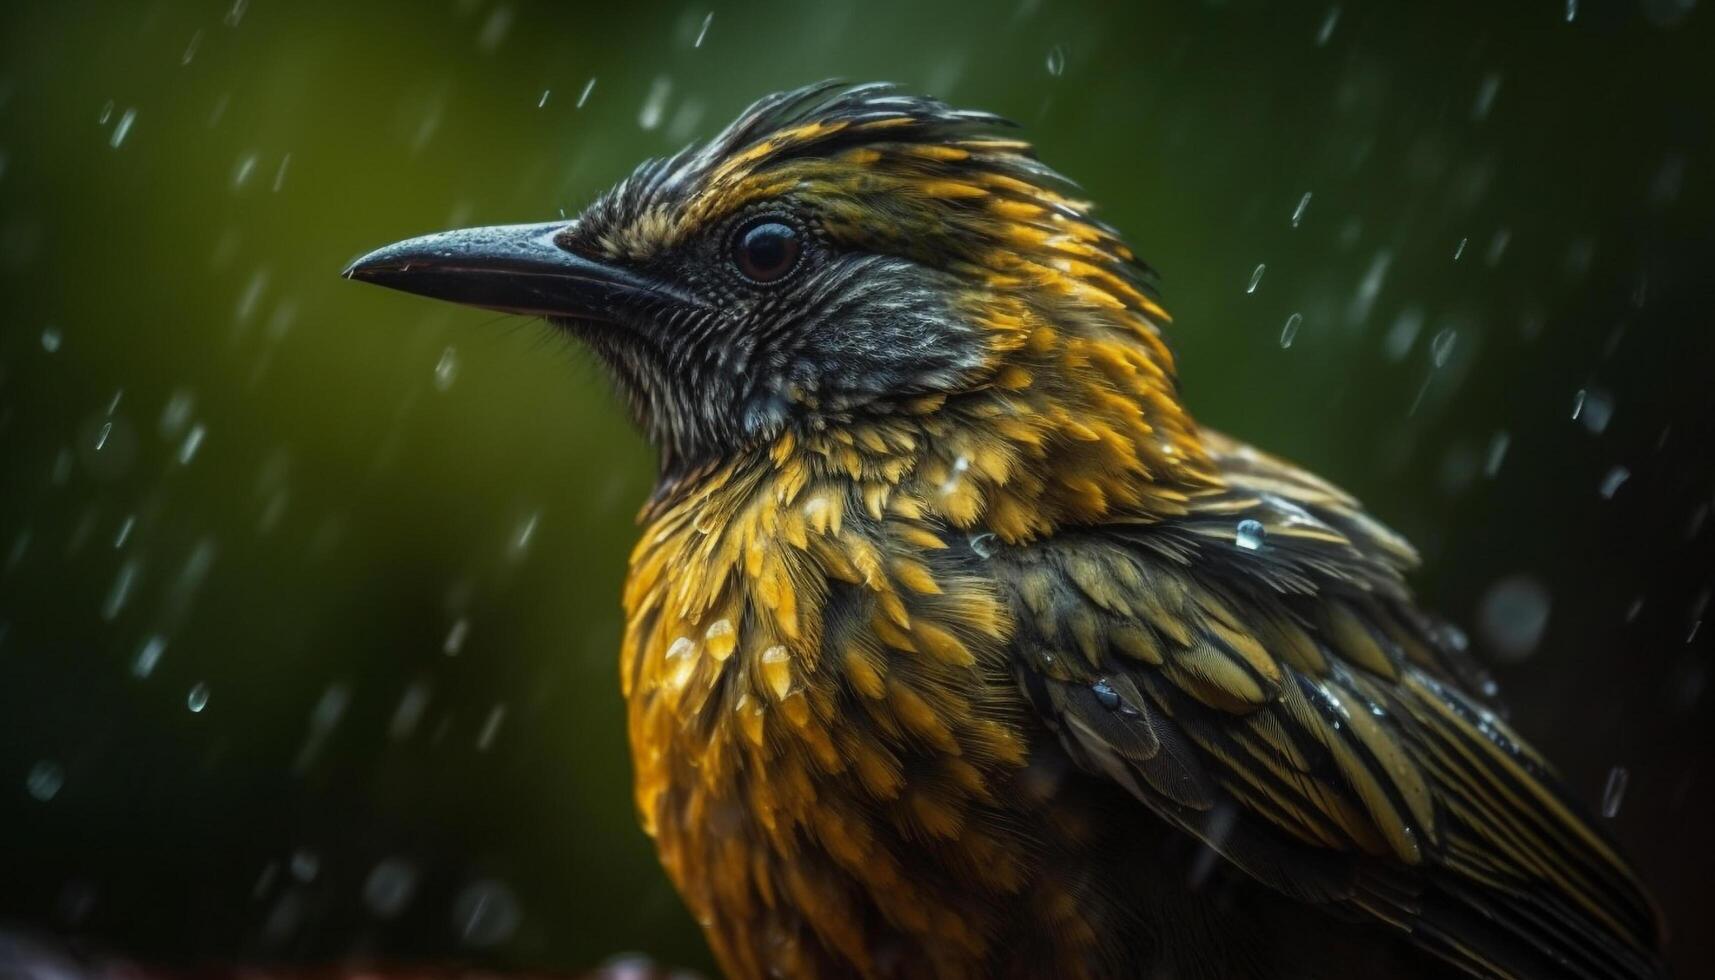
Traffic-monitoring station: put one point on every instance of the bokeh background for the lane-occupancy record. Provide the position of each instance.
(309, 591)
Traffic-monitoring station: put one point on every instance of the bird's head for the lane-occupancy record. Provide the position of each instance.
(838, 256)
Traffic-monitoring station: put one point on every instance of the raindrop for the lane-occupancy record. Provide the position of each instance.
(1249, 534)
(1459, 250)
(191, 48)
(197, 699)
(280, 173)
(1497, 453)
(245, 167)
(1403, 333)
(1614, 793)
(1612, 481)
(584, 96)
(1594, 407)
(521, 539)
(409, 713)
(1289, 333)
(983, 544)
(148, 656)
(455, 637)
(389, 888)
(1513, 616)
(1057, 60)
(121, 590)
(176, 412)
(51, 338)
(44, 781)
(1486, 92)
(495, 28)
(486, 913)
(655, 103)
(124, 532)
(1571, 10)
(193, 442)
(1370, 287)
(544, 99)
(102, 434)
(1636, 607)
(1298, 212)
(704, 30)
(490, 728)
(447, 369)
(1497, 247)
(1256, 277)
(1329, 22)
(122, 129)
(236, 14)
(105, 114)
(1441, 347)
(305, 864)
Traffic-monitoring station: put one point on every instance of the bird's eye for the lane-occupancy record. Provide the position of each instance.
(766, 250)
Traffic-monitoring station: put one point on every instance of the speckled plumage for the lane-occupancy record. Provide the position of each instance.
(946, 656)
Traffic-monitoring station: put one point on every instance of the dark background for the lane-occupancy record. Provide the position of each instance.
(300, 493)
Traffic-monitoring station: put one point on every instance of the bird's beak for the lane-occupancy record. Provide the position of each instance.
(510, 269)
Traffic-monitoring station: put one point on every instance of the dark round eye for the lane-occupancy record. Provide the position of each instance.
(767, 250)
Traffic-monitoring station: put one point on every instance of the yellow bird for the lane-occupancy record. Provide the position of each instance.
(957, 648)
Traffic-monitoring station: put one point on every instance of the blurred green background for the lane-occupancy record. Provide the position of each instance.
(309, 594)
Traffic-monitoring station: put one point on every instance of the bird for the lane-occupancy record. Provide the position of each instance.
(957, 647)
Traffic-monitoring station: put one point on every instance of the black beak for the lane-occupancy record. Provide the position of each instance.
(511, 269)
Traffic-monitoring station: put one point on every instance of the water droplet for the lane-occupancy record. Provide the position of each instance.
(1289, 333)
(1459, 250)
(389, 888)
(584, 96)
(703, 31)
(1105, 694)
(148, 656)
(1441, 347)
(280, 174)
(1329, 22)
(983, 544)
(241, 172)
(1249, 534)
(1298, 212)
(1612, 481)
(1571, 10)
(486, 913)
(544, 99)
(124, 532)
(1513, 616)
(102, 434)
(51, 339)
(447, 369)
(105, 114)
(1256, 277)
(1594, 407)
(1057, 60)
(236, 13)
(1614, 793)
(122, 129)
(44, 781)
(197, 699)
(655, 103)
(455, 637)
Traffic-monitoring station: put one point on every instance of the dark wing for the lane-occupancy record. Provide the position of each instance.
(1270, 688)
